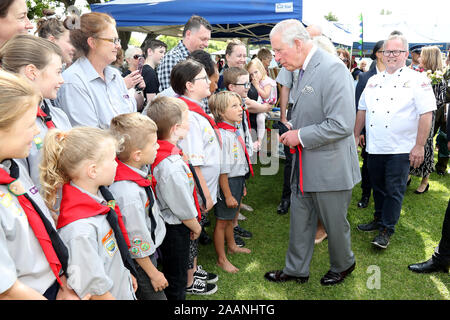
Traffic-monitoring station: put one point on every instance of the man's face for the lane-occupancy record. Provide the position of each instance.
(197, 39)
(391, 62)
(289, 57)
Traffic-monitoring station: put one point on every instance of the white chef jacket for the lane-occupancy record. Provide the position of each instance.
(393, 105)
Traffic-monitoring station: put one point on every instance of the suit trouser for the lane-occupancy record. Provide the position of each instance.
(331, 207)
(442, 252)
(286, 194)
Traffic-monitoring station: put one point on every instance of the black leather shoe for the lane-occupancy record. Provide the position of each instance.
(422, 192)
(331, 278)
(428, 267)
(280, 276)
(283, 207)
(364, 202)
(371, 226)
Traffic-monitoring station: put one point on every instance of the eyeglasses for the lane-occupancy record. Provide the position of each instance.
(203, 78)
(394, 53)
(246, 85)
(137, 56)
(116, 41)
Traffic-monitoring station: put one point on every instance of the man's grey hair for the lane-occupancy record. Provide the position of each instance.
(397, 37)
(290, 30)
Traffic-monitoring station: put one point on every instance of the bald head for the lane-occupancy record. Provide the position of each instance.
(314, 30)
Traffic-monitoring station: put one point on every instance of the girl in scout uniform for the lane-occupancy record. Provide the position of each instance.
(32, 256)
(202, 143)
(40, 61)
(175, 189)
(132, 189)
(82, 161)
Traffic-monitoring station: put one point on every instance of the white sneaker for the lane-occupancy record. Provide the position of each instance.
(241, 217)
(200, 287)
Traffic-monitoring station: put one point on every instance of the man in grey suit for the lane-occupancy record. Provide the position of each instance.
(326, 166)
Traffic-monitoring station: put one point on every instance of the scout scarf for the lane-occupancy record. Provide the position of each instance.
(167, 149)
(226, 126)
(54, 249)
(194, 107)
(125, 173)
(44, 113)
(76, 205)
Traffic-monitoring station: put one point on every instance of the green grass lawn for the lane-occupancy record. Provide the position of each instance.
(417, 234)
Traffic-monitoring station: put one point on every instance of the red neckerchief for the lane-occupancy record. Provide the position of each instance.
(226, 126)
(300, 178)
(37, 226)
(47, 119)
(76, 205)
(125, 173)
(167, 149)
(194, 107)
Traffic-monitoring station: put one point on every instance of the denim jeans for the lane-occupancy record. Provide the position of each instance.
(388, 176)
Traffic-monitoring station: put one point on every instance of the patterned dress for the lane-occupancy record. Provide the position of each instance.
(428, 164)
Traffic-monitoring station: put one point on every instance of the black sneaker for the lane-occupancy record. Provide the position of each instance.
(208, 277)
(371, 226)
(239, 242)
(202, 288)
(382, 239)
(241, 232)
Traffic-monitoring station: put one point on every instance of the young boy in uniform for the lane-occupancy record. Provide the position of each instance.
(133, 193)
(175, 188)
(227, 110)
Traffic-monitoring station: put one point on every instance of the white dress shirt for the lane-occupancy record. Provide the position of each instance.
(393, 105)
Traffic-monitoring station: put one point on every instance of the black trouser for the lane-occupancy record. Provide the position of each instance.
(175, 258)
(442, 253)
(365, 178)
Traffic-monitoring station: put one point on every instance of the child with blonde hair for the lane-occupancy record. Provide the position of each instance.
(32, 255)
(82, 161)
(134, 195)
(267, 91)
(227, 111)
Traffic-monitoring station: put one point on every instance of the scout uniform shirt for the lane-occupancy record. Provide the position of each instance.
(202, 148)
(134, 206)
(88, 100)
(174, 187)
(233, 159)
(95, 263)
(21, 255)
(60, 121)
(393, 105)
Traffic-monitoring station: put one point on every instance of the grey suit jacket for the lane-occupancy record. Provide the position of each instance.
(324, 111)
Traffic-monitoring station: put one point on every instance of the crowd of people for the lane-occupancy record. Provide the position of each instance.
(107, 176)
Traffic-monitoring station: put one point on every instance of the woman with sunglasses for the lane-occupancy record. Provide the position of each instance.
(94, 92)
(345, 57)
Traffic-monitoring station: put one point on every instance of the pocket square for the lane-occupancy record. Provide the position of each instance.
(307, 90)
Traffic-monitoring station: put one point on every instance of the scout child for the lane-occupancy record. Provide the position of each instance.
(134, 195)
(40, 61)
(32, 256)
(175, 188)
(227, 110)
(83, 162)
